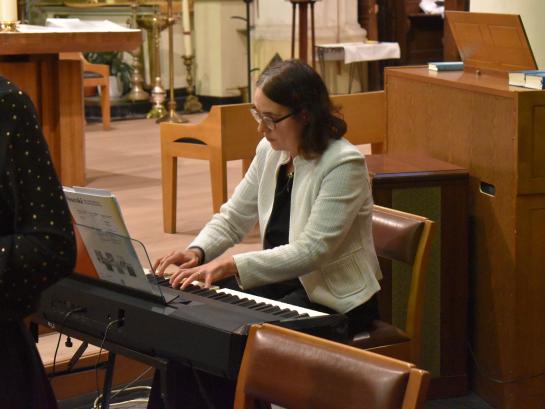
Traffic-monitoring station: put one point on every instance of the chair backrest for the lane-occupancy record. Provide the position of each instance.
(230, 128)
(300, 371)
(405, 237)
(239, 129)
(365, 115)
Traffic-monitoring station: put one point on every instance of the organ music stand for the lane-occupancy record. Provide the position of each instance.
(491, 43)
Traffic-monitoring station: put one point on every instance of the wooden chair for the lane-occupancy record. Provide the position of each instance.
(402, 237)
(300, 371)
(95, 75)
(365, 115)
(229, 132)
(98, 75)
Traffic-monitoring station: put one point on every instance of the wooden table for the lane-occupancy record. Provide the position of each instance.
(438, 190)
(497, 132)
(31, 60)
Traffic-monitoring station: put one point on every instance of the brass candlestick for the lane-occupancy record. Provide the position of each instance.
(192, 103)
(158, 96)
(158, 93)
(137, 92)
(153, 24)
(8, 26)
(171, 115)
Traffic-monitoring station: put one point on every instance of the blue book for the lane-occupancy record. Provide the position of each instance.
(518, 78)
(535, 80)
(446, 66)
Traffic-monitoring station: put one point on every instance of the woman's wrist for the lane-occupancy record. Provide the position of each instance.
(234, 268)
(199, 253)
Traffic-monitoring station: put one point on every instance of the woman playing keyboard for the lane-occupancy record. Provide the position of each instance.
(309, 190)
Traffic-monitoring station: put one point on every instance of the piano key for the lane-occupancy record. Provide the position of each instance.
(282, 305)
(197, 287)
(289, 314)
(245, 302)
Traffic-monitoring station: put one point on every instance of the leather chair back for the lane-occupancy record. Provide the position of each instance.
(300, 371)
(403, 237)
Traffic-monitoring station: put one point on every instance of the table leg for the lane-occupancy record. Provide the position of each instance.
(71, 129)
(351, 68)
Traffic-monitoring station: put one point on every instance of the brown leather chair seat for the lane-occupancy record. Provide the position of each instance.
(381, 334)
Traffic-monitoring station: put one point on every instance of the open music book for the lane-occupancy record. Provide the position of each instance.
(116, 257)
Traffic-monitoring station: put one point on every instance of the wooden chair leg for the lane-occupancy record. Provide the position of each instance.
(218, 180)
(169, 169)
(105, 106)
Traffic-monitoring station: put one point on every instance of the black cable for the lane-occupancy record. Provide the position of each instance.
(131, 382)
(108, 326)
(497, 380)
(65, 318)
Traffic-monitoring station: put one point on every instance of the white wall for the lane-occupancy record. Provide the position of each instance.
(532, 13)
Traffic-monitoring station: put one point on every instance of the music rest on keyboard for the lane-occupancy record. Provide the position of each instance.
(202, 328)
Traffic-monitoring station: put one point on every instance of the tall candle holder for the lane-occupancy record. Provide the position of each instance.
(8, 16)
(22, 14)
(154, 25)
(192, 103)
(137, 92)
(8, 26)
(172, 115)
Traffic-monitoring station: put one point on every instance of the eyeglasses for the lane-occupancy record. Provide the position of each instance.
(269, 122)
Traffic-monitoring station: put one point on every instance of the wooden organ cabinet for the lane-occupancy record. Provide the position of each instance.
(475, 120)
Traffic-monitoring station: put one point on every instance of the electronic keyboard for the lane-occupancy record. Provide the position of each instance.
(203, 328)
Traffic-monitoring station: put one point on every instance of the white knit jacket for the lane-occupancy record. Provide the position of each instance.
(330, 242)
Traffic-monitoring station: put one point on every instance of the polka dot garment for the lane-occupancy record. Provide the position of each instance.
(36, 237)
(37, 246)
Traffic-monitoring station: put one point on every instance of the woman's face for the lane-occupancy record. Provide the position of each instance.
(286, 133)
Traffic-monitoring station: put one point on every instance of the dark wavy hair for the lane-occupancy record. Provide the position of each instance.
(294, 84)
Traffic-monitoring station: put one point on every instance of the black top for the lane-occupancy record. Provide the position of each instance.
(37, 244)
(277, 232)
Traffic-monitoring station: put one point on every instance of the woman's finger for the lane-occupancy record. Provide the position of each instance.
(172, 258)
(180, 276)
(188, 280)
(190, 263)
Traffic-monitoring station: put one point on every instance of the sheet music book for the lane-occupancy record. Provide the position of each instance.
(518, 78)
(535, 80)
(116, 257)
(446, 66)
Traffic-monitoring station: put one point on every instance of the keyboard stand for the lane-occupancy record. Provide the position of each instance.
(113, 349)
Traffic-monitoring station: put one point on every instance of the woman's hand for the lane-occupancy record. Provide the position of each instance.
(209, 273)
(184, 259)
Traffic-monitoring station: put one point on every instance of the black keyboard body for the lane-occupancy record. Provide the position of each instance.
(195, 330)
